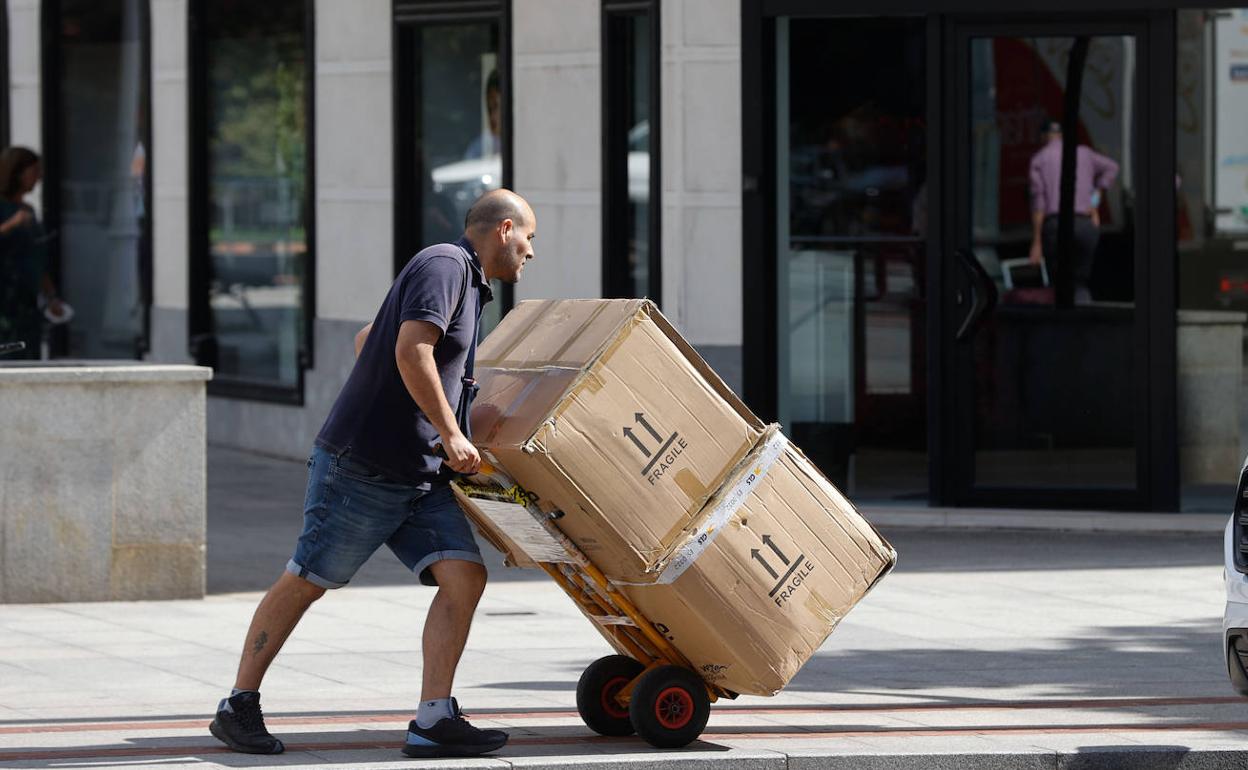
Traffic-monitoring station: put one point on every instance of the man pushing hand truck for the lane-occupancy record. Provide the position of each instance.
(375, 478)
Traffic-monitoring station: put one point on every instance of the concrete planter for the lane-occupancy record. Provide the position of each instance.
(102, 481)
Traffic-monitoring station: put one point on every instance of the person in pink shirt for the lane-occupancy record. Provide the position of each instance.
(1094, 173)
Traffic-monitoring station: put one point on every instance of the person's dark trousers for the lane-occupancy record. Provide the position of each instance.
(1083, 247)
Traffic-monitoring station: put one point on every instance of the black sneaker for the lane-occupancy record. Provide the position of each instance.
(243, 728)
(451, 737)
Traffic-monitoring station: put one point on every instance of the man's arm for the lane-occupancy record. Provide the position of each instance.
(414, 355)
(1104, 170)
(1036, 254)
(361, 336)
(1039, 205)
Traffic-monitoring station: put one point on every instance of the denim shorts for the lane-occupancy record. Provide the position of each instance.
(349, 511)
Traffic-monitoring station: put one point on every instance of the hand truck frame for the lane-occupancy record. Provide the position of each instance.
(651, 688)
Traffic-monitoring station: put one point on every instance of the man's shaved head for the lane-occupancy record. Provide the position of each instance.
(496, 206)
(501, 226)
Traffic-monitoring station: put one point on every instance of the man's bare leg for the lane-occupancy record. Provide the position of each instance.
(239, 723)
(276, 616)
(460, 585)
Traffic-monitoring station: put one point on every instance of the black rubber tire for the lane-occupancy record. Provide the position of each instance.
(595, 694)
(669, 707)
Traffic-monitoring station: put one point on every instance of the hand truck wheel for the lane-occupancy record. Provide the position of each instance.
(669, 707)
(596, 691)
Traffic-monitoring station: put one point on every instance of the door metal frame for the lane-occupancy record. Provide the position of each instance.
(1154, 327)
(1157, 476)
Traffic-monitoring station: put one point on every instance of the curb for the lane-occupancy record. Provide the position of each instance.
(1124, 757)
(1047, 520)
(1098, 757)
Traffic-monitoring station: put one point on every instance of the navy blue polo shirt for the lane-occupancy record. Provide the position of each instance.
(375, 419)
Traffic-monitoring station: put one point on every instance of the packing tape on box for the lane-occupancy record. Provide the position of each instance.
(570, 341)
(725, 509)
(536, 312)
(537, 375)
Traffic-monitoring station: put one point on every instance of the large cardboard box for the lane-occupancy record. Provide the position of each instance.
(603, 410)
(720, 531)
(775, 562)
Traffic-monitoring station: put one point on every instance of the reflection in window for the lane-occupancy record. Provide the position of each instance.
(459, 130)
(1211, 223)
(256, 109)
(101, 164)
(1018, 87)
(1055, 372)
(851, 222)
(630, 119)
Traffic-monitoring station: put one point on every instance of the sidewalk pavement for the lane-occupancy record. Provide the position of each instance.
(985, 649)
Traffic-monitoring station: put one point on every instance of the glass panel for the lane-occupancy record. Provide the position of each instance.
(634, 42)
(257, 187)
(459, 130)
(852, 221)
(1054, 376)
(1212, 253)
(103, 162)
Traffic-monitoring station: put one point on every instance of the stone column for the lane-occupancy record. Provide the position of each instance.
(1211, 370)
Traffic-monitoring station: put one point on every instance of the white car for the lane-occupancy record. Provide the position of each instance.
(1235, 621)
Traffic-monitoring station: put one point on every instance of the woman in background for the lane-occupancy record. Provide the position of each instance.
(24, 279)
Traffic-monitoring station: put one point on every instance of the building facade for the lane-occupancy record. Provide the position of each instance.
(835, 201)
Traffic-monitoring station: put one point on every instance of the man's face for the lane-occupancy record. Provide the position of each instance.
(516, 247)
(31, 177)
(494, 110)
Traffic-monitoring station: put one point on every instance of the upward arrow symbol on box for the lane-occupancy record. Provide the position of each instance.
(633, 438)
(640, 417)
(754, 554)
(767, 541)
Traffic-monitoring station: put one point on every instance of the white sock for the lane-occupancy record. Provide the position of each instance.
(433, 711)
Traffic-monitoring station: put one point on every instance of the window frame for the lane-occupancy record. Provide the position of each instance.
(616, 280)
(199, 313)
(7, 107)
(409, 17)
(50, 157)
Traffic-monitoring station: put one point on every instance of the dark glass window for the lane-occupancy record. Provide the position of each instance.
(452, 120)
(631, 180)
(97, 178)
(251, 232)
(851, 216)
(1067, 299)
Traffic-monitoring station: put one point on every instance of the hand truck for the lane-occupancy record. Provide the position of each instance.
(650, 688)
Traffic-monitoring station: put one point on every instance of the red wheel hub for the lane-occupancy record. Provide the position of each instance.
(674, 708)
(609, 704)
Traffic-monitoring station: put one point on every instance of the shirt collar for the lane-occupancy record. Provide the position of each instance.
(478, 273)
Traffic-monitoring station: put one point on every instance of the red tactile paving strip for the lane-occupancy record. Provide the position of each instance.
(710, 736)
(388, 717)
